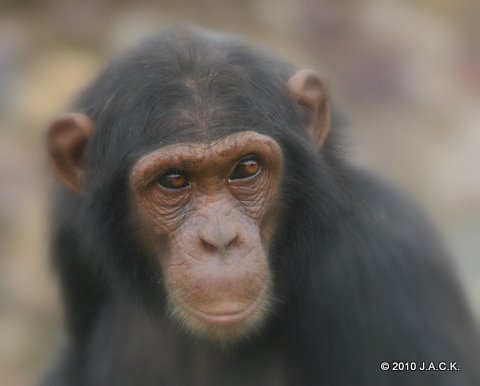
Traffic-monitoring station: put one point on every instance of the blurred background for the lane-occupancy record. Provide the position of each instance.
(406, 75)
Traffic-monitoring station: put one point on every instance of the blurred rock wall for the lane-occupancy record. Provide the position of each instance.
(407, 75)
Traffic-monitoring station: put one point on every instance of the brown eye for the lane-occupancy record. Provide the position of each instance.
(246, 168)
(173, 179)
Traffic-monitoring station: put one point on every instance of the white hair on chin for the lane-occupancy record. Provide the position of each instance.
(222, 335)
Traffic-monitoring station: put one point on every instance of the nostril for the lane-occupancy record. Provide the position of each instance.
(208, 246)
(232, 242)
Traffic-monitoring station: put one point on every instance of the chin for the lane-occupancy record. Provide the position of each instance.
(223, 329)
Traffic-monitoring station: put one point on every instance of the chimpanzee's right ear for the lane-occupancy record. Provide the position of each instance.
(67, 138)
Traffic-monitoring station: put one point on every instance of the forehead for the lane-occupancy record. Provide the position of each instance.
(225, 147)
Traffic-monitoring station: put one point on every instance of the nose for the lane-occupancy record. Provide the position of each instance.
(219, 238)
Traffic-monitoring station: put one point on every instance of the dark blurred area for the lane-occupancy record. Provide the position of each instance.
(405, 76)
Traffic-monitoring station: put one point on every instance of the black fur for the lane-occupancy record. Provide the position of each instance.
(360, 276)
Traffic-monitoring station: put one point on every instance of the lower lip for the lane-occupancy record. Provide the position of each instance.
(225, 318)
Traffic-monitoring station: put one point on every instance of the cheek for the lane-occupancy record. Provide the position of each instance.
(152, 239)
(153, 225)
(159, 213)
(260, 203)
(268, 226)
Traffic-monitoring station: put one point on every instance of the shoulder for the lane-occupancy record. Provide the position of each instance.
(390, 222)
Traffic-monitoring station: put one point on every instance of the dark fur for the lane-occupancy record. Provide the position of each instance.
(360, 276)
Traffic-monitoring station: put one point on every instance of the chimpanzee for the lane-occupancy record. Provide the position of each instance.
(208, 232)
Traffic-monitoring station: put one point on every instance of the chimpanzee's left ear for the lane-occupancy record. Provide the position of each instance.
(307, 89)
(67, 138)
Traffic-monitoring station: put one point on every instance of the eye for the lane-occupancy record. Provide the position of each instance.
(247, 167)
(173, 180)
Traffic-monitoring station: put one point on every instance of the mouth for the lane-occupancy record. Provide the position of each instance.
(223, 317)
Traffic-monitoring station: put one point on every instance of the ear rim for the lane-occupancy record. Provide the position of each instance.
(307, 89)
(67, 137)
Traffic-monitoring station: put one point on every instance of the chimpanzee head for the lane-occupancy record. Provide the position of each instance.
(182, 155)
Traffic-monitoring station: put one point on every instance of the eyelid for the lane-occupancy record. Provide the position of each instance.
(250, 157)
(176, 172)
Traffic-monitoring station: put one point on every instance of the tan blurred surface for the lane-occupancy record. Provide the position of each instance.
(407, 78)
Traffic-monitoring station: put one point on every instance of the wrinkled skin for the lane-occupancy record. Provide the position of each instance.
(212, 237)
